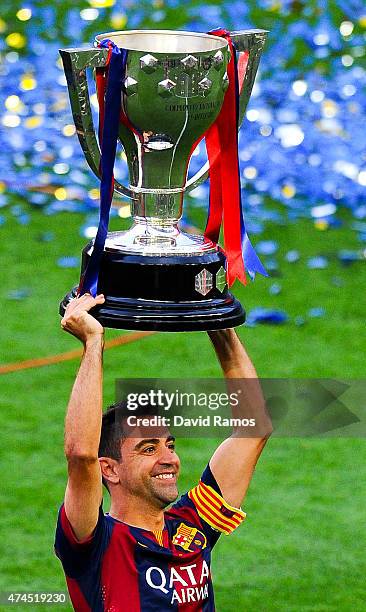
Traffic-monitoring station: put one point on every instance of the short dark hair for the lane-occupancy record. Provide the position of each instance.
(113, 434)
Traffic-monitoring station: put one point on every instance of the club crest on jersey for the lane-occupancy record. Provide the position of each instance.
(189, 538)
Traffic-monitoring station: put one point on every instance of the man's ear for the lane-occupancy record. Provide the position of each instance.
(109, 469)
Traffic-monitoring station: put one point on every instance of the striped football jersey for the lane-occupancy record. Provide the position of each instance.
(121, 568)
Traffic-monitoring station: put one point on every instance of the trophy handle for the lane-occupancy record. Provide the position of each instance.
(252, 43)
(75, 62)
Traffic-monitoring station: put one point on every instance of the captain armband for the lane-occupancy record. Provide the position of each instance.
(214, 510)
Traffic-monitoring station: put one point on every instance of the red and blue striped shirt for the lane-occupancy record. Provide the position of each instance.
(121, 568)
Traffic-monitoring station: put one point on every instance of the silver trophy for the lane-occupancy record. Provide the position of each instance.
(154, 276)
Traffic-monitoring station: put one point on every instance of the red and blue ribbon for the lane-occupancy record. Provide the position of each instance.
(225, 190)
(222, 149)
(111, 88)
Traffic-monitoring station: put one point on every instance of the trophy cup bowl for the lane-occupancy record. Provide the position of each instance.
(154, 276)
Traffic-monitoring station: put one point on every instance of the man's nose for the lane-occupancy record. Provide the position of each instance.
(166, 457)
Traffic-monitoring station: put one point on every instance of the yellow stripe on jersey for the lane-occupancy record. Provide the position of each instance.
(211, 518)
(159, 536)
(215, 510)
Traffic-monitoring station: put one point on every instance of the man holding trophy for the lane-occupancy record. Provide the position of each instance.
(143, 555)
(159, 93)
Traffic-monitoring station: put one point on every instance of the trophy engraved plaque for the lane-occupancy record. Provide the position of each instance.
(160, 92)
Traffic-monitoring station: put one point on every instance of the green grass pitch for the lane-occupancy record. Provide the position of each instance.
(302, 546)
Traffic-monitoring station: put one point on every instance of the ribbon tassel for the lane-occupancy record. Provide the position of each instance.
(225, 190)
(222, 148)
(108, 134)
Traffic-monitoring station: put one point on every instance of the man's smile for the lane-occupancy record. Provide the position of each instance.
(170, 476)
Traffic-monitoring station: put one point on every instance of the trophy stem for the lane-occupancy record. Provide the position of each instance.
(149, 236)
(157, 206)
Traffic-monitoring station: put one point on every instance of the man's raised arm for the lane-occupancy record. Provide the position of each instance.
(234, 461)
(84, 418)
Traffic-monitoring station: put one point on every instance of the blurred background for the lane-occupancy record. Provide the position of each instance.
(303, 174)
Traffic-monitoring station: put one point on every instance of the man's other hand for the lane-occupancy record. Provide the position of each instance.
(77, 320)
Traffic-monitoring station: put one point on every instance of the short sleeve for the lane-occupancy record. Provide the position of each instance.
(77, 557)
(212, 507)
(205, 507)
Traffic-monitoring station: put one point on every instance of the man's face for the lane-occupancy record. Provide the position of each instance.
(149, 467)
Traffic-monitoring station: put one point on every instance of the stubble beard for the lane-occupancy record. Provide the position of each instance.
(164, 494)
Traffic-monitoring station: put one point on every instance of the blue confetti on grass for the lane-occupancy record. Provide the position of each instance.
(275, 289)
(271, 266)
(316, 312)
(68, 262)
(317, 263)
(266, 316)
(292, 256)
(347, 257)
(46, 237)
(266, 247)
(24, 219)
(19, 294)
(337, 281)
(299, 321)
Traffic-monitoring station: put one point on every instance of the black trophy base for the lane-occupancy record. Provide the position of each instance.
(154, 293)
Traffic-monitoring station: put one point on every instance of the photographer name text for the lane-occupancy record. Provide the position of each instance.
(180, 421)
